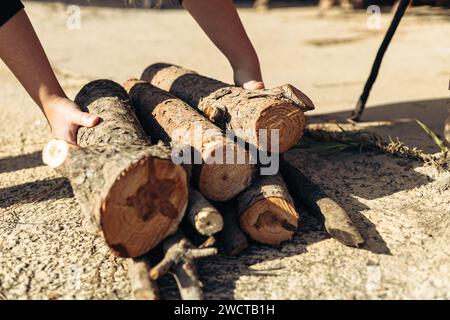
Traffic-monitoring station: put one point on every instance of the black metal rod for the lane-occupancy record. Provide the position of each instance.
(361, 104)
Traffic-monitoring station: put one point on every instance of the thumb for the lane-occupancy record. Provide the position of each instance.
(86, 120)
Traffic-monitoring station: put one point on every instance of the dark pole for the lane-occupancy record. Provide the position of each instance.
(359, 109)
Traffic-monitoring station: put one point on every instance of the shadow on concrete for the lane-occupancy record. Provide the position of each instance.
(397, 120)
(36, 191)
(25, 161)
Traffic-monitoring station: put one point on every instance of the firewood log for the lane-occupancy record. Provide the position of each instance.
(266, 211)
(336, 220)
(253, 116)
(225, 168)
(129, 191)
(234, 240)
(202, 215)
(142, 287)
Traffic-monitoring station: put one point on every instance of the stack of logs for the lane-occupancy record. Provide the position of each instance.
(136, 189)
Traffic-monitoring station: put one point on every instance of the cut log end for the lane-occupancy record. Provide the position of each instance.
(130, 83)
(241, 111)
(55, 153)
(152, 192)
(270, 221)
(220, 176)
(226, 171)
(287, 119)
(202, 215)
(209, 222)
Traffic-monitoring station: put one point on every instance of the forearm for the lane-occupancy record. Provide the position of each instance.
(22, 52)
(220, 21)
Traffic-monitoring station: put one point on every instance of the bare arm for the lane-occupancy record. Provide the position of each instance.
(22, 52)
(221, 22)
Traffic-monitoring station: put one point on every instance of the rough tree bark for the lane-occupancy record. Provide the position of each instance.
(220, 176)
(243, 112)
(234, 240)
(336, 220)
(267, 212)
(179, 258)
(128, 190)
(202, 215)
(143, 288)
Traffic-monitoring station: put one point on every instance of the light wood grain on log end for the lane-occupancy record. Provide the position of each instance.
(287, 119)
(130, 83)
(270, 221)
(150, 193)
(226, 171)
(202, 215)
(209, 222)
(55, 153)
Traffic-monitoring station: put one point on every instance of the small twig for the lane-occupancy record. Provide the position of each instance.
(179, 258)
(208, 243)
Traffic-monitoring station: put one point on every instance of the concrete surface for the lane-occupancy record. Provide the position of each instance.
(401, 207)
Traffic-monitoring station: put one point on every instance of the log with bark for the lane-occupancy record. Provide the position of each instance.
(234, 240)
(179, 258)
(254, 116)
(142, 287)
(266, 211)
(224, 169)
(129, 191)
(202, 215)
(336, 220)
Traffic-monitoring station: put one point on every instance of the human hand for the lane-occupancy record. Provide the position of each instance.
(65, 117)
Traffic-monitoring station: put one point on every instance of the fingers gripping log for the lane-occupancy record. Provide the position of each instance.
(225, 169)
(129, 191)
(179, 257)
(266, 210)
(336, 220)
(202, 215)
(241, 111)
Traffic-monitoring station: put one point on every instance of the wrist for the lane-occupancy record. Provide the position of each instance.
(49, 101)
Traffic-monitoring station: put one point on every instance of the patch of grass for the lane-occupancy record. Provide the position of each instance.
(322, 142)
(433, 136)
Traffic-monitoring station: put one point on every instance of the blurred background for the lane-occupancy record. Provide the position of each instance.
(355, 4)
